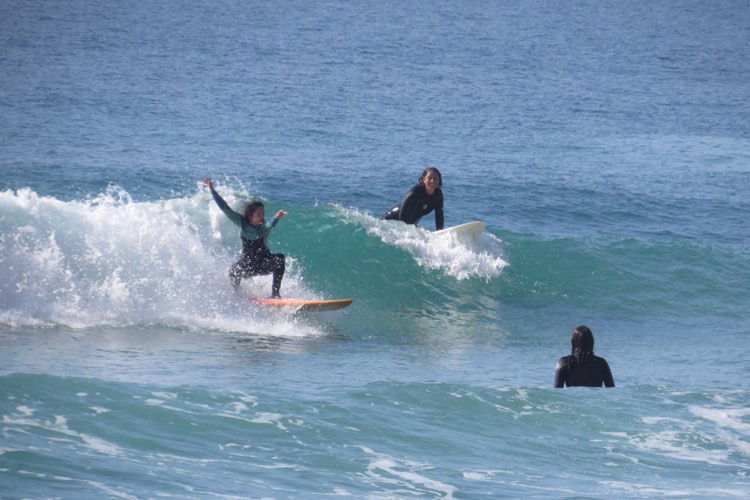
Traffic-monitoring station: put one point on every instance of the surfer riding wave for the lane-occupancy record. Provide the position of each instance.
(255, 259)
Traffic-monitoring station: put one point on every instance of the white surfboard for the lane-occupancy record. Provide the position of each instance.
(470, 229)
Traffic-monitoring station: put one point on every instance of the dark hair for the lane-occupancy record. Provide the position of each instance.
(427, 171)
(582, 343)
(250, 209)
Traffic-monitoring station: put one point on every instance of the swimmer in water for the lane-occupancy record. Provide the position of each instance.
(582, 367)
(255, 259)
(423, 198)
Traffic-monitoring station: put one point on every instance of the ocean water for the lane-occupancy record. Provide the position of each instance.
(606, 145)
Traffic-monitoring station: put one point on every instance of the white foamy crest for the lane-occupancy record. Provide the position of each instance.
(406, 475)
(110, 261)
(692, 440)
(459, 256)
(24, 419)
(732, 428)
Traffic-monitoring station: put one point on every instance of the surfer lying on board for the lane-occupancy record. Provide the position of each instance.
(582, 367)
(422, 199)
(256, 259)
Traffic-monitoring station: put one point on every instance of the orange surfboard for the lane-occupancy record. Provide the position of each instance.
(304, 304)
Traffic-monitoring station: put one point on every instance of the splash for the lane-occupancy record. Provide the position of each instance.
(459, 257)
(109, 261)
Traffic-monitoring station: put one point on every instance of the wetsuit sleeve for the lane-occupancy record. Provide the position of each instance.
(392, 213)
(609, 381)
(271, 224)
(561, 372)
(439, 216)
(235, 217)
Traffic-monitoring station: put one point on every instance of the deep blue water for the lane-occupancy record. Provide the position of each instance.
(605, 145)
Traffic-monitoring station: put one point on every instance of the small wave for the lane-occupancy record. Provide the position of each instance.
(461, 258)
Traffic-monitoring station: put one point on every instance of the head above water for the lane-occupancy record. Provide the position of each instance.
(582, 342)
(428, 173)
(249, 213)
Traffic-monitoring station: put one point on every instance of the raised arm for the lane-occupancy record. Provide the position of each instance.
(235, 217)
(272, 223)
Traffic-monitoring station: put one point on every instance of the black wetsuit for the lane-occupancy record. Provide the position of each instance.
(416, 205)
(256, 259)
(591, 371)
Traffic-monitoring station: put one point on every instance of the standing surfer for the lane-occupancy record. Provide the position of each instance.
(423, 198)
(255, 259)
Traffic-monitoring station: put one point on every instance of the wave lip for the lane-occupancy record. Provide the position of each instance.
(456, 256)
(110, 261)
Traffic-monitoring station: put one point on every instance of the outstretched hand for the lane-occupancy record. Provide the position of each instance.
(207, 181)
(281, 213)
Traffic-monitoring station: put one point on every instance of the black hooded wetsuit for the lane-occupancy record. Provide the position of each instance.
(416, 205)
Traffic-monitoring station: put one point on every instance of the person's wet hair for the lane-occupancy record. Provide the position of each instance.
(427, 171)
(582, 343)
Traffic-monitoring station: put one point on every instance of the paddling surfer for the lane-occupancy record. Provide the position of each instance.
(420, 200)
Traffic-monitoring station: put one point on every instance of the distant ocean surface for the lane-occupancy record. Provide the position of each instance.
(606, 145)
